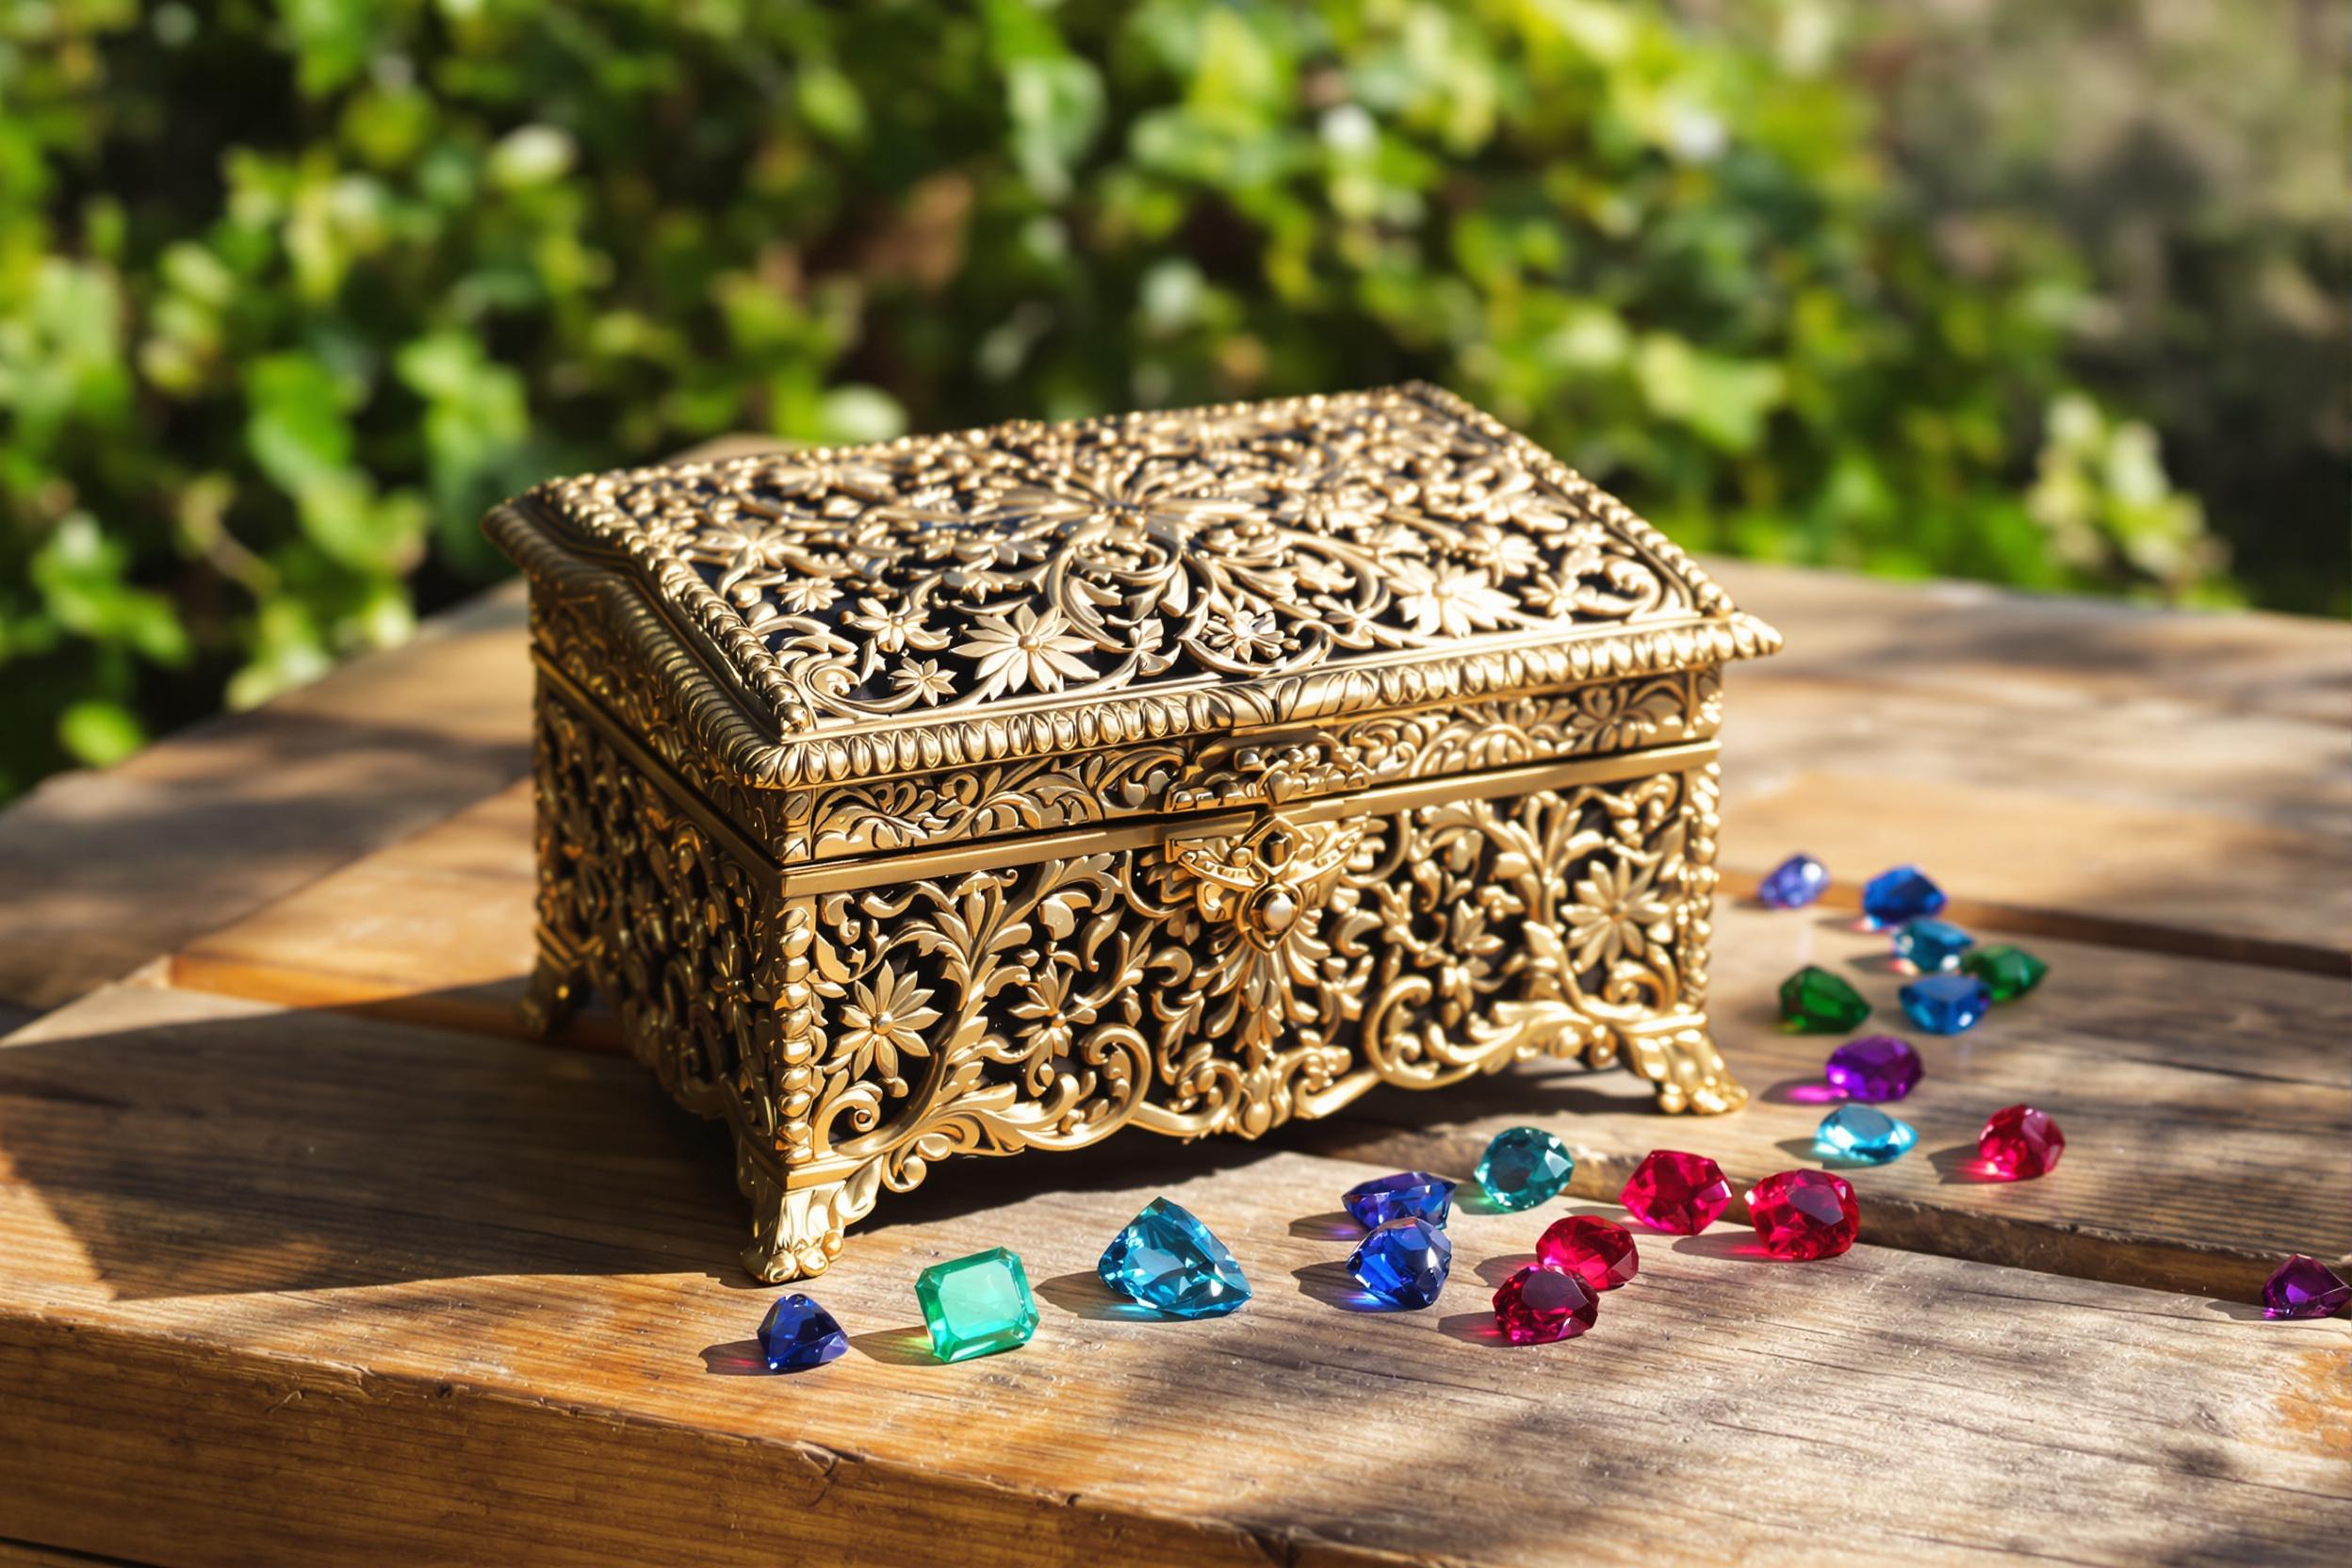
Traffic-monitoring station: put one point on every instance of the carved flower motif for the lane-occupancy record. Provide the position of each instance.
(1616, 906)
(1054, 1016)
(1456, 601)
(805, 596)
(895, 627)
(1241, 635)
(887, 1018)
(1032, 651)
(924, 680)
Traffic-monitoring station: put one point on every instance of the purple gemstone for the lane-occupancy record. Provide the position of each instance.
(2304, 1287)
(1794, 884)
(1874, 1068)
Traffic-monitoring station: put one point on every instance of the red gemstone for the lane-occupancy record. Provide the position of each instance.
(1677, 1192)
(1803, 1215)
(2020, 1143)
(1537, 1305)
(1594, 1249)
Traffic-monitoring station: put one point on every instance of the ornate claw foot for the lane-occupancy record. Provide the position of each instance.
(1678, 1054)
(796, 1230)
(556, 987)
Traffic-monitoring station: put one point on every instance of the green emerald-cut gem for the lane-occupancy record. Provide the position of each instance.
(976, 1306)
(2007, 971)
(1815, 1002)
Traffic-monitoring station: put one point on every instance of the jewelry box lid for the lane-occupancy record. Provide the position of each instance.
(1030, 589)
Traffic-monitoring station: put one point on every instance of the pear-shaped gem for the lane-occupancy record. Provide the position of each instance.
(1523, 1167)
(1171, 1261)
(1815, 1002)
(2008, 971)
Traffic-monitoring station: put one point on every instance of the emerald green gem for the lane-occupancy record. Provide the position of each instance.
(976, 1306)
(2007, 971)
(1815, 1002)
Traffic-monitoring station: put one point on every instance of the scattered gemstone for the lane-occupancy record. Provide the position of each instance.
(1596, 1250)
(1794, 884)
(2304, 1287)
(1815, 1002)
(1403, 1262)
(798, 1334)
(976, 1305)
(1804, 1214)
(1864, 1132)
(2022, 1143)
(1930, 945)
(1682, 1194)
(1902, 895)
(1171, 1261)
(1874, 1068)
(1407, 1194)
(2007, 971)
(1523, 1167)
(1537, 1305)
(1946, 1003)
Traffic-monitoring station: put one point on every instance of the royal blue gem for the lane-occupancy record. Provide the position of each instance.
(1794, 884)
(798, 1334)
(1403, 1262)
(1168, 1260)
(1902, 895)
(1946, 1003)
(1930, 945)
(1862, 1133)
(1407, 1194)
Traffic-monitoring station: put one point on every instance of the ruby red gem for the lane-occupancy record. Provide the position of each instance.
(1677, 1192)
(1594, 1249)
(1537, 1305)
(2022, 1143)
(1803, 1215)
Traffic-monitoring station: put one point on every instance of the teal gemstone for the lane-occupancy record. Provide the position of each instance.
(1864, 1132)
(976, 1305)
(1523, 1167)
(1171, 1261)
(1930, 945)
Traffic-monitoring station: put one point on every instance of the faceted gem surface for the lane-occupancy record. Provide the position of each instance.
(798, 1334)
(1804, 1214)
(1600, 1254)
(1678, 1193)
(2020, 1142)
(1874, 1068)
(1946, 1003)
(976, 1305)
(1171, 1261)
(1815, 1002)
(1902, 895)
(1794, 884)
(1403, 1262)
(1523, 1167)
(1864, 1132)
(1930, 945)
(1407, 1194)
(1537, 1305)
(2304, 1287)
(2007, 971)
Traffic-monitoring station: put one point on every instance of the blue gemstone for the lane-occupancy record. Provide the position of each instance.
(798, 1334)
(1523, 1167)
(1946, 1003)
(1930, 945)
(1407, 1194)
(1794, 884)
(1864, 1132)
(1904, 893)
(1168, 1260)
(1403, 1262)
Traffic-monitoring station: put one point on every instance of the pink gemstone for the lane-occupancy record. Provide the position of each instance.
(1537, 1305)
(1594, 1249)
(2304, 1287)
(1804, 1214)
(2022, 1143)
(1677, 1192)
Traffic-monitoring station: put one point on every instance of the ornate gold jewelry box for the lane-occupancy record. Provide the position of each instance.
(1190, 772)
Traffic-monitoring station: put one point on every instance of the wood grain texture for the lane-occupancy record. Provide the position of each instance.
(409, 1295)
(2208, 1104)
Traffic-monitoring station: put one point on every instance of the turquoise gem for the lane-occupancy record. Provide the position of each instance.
(1864, 1132)
(1930, 945)
(976, 1305)
(1168, 1260)
(1523, 1167)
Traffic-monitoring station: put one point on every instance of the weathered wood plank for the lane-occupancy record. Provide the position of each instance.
(313, 1287)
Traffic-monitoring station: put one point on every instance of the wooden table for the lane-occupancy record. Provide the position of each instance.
(303, 1255)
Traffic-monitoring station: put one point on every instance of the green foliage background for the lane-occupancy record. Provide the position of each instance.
(290, 292)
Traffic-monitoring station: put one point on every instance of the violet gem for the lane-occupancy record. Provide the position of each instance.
(1794, 884)
(1874, 1069)
(2304, 1287)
